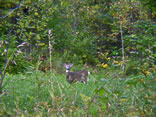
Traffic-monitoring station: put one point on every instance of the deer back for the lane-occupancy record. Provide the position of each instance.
(84, 73)
(77, 76)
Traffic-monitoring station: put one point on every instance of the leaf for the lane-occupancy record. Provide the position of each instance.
(37, 36)
(133, 35)
(36, 14)
(94, 109)
(41, 44)
(101, 91)
(18, 30)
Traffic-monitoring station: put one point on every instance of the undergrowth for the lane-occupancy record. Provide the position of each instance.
(107, 94)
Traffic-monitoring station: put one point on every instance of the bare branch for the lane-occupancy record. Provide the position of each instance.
(2, 77)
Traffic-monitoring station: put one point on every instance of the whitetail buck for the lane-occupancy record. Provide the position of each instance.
(81, 76)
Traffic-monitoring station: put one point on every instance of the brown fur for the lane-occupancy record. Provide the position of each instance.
(80, 76)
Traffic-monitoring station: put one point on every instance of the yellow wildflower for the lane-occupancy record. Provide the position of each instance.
(147, 72)
(104, 65)
(120, 63)
(108, 58)
(116, 62)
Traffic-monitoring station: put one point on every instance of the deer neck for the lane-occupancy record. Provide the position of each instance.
(67, 72)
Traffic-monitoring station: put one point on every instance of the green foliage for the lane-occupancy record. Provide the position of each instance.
(81, 29)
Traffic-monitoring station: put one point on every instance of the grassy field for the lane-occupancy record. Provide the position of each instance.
(108, 94)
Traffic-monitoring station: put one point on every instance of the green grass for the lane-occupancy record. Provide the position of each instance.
(108, 94)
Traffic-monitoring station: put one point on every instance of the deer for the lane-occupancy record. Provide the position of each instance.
(79, 76)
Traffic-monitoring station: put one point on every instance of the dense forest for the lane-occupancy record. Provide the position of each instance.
(115, 40)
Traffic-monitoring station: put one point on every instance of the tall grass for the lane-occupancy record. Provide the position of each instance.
(107, 94)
